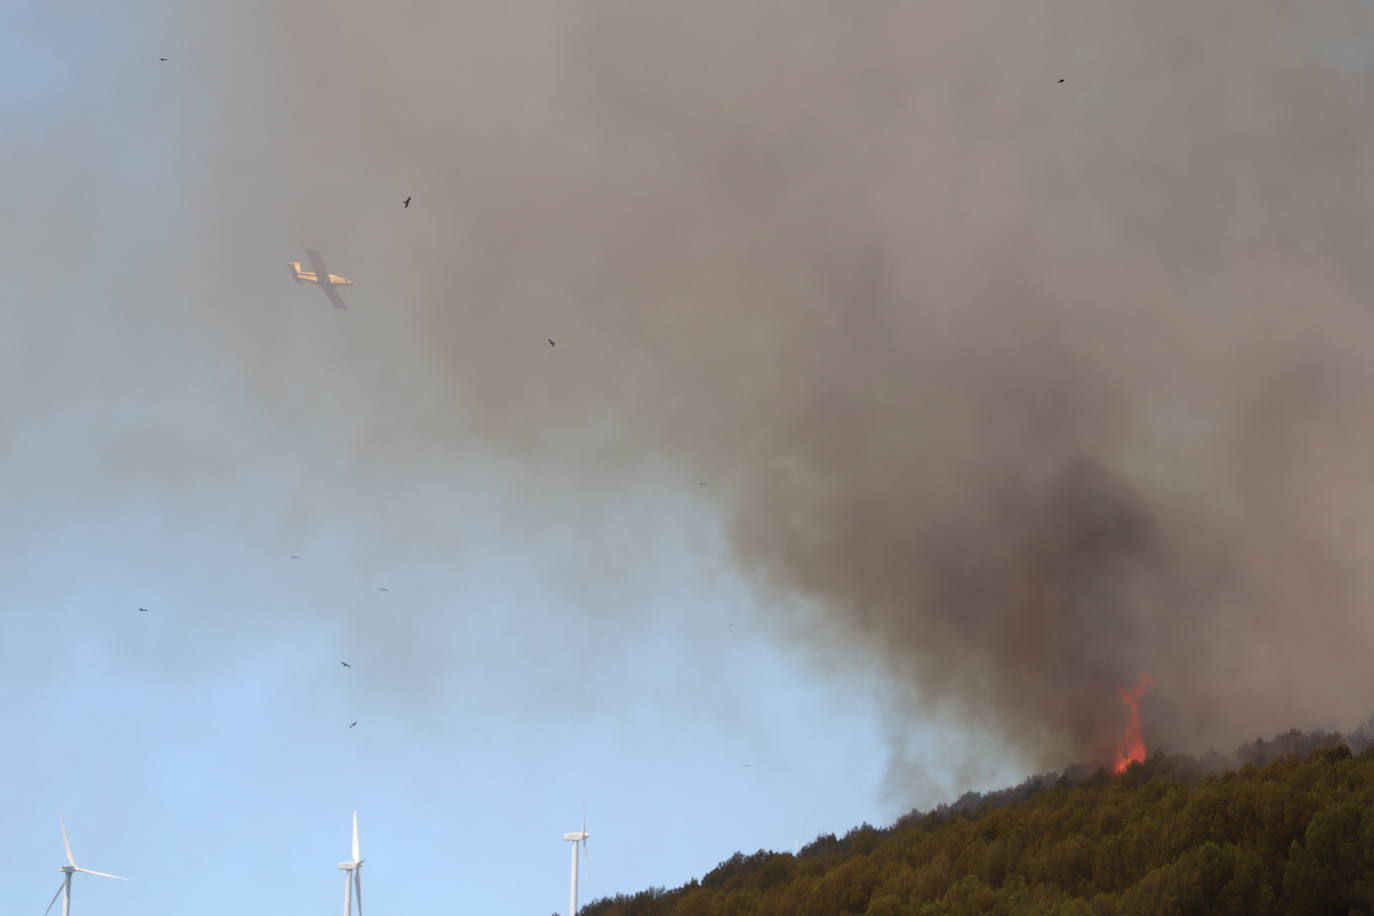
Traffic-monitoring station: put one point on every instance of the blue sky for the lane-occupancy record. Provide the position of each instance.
(500, 689)
(224, 770)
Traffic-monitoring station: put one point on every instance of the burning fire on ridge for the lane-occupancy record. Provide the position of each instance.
(1132, 747)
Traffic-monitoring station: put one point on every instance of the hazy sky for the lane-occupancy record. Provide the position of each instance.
(1003, 391)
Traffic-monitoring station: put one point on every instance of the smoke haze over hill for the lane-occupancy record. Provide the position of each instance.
(1024, 388)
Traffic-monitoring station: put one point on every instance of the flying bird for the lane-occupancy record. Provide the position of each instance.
(143, 610)
(355, 723)
(550, 340)
(1061, 81)
(294, 557)
(405, 204)
(162, 58)
(383, 589)
(346, 664)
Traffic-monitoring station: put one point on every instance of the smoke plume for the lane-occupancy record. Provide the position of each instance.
(1030, 387)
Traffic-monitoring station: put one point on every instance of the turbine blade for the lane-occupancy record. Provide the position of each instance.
(98, 874)
(355, 836)
(55, 896)
(67, 844)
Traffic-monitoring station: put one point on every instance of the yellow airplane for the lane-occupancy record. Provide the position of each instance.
(327, 281)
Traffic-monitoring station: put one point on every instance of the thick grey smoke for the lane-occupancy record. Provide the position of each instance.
(1031, 386)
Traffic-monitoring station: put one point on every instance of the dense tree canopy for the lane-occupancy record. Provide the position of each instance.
(1290, 831)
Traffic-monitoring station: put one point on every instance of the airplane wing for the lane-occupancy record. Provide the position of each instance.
(322, 275)
(317, 262)
(332, 292)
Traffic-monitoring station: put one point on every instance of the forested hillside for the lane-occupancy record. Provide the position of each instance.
(1291, 830)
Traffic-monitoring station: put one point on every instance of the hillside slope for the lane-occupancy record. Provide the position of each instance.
(1285, 833)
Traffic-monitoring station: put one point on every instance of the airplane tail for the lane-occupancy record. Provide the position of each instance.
(295, 268)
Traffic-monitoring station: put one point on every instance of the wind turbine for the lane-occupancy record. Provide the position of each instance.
(353, 876)
(67, 871)
(577, 838)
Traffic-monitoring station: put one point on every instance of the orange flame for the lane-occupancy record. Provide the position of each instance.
(1132, 747)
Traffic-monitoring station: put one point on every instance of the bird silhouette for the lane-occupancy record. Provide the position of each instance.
(1061, 81)
(162, 58)
(143, 610)
(355, 723)
(294, 557)
(405, 204)
(550, 340)
(382, 589)
(346, 664)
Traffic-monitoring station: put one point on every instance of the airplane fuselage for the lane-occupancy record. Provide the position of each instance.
(311, 277)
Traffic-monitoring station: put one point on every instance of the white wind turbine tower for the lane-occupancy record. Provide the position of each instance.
(353, 875)
(577, 838)
(67, 871)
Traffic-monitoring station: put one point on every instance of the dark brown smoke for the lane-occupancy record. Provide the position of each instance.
(1031, 387)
